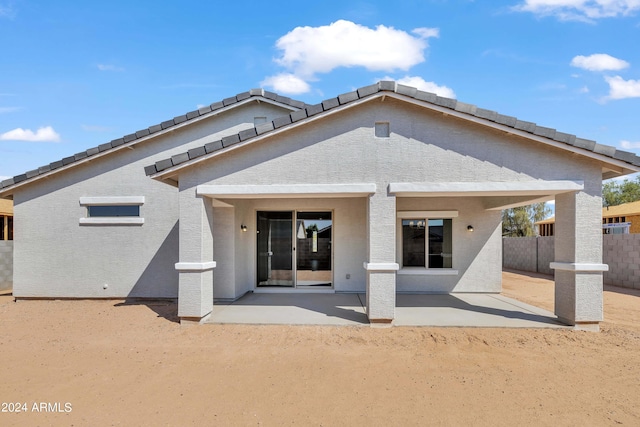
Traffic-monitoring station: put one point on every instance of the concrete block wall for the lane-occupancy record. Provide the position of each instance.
(6, 265)
(546, 254)
(621, 252)
(519, 253)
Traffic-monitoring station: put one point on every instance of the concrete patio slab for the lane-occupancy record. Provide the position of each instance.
(459, 310)
(292, 309)
(471, 310)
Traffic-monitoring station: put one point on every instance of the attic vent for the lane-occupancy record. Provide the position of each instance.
(382, 130)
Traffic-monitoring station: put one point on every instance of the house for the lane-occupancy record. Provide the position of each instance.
(620, 219)
(381, 190)
(6, 220)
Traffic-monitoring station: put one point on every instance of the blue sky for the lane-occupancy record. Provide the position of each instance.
(77, 74)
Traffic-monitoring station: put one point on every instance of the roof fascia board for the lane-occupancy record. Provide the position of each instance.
(172, 170)
(132, 144)
(513, 131)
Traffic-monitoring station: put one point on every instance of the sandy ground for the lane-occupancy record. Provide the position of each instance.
(132, 364)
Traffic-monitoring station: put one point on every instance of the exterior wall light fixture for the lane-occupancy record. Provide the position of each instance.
(243, 228)
(470, 228)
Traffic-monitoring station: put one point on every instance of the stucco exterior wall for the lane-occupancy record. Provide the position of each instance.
(424, 146)
(55, 256)
(474, 253)
(6, 265)
(349, 243)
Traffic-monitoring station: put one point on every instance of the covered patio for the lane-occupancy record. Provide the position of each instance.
(348, 309)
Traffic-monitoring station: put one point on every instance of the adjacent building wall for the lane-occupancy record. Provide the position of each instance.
(620, 251)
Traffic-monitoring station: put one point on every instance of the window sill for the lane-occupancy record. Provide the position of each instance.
(112, 221)
(427, 272)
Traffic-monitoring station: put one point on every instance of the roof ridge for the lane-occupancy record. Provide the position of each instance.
(128, 139)
(412, 92)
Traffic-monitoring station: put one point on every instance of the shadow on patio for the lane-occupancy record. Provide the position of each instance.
(461, 310)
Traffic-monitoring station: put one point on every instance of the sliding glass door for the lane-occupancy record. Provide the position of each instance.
(314, 231)
(275, 246)
(295, 254)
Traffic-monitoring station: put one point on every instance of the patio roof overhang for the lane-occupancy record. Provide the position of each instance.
(286, 191)
(497, 195)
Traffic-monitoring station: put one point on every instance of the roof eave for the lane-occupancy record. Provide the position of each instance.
(611, 166)
(8, 191)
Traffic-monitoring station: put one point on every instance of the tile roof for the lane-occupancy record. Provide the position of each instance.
(132, 138)
(411, 92)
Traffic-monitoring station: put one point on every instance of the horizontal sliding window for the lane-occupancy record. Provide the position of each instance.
(113, 211)
(118, 210)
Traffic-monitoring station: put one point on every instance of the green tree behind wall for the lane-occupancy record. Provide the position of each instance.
(616, 193)
(519, 222)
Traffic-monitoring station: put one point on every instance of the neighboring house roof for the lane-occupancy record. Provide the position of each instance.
(626, 209)
(6, 207)
(551, 220)
(626, 162)
(153, 131)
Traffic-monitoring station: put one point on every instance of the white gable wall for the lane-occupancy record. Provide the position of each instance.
(424, 146)
(55, 256)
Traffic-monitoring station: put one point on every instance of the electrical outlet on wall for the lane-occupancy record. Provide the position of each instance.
(348, 276)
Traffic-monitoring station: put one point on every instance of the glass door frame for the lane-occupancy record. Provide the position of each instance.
(294, 250)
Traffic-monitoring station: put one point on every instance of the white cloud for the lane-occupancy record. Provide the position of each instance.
(109, 67)
(583, 89)
(599, 62)
(420, 84)
(580, 10)
(620, 88)
(44, 134)
(426, 33)
(3, 177)
(308, 51)
(4, 110)
(628, 145)
(286, 83)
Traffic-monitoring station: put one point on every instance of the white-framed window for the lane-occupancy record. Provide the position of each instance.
(426, 240)
(124, 210)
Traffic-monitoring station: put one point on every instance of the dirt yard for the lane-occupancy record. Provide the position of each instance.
(107, 363)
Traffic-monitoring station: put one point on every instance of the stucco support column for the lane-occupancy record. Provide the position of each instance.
(578, 259)
(195, 293)
(381, 267)
(225, 232)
